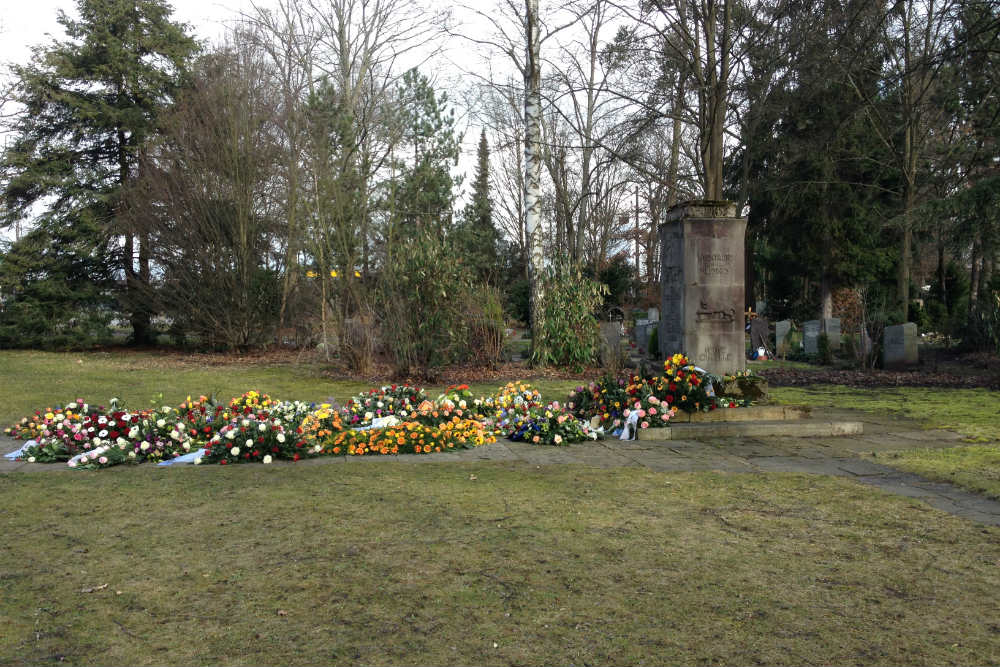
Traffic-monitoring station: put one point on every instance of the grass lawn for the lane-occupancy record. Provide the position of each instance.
(379, 562)
(31, 380)
(387, 562)
(974, 413)
(975, 467)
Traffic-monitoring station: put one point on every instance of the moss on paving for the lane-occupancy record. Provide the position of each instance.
(975, 413)
(388, 563)
(973, 467)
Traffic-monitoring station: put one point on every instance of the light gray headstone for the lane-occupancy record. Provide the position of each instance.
(611, 332)
(810, 337)
(899, 345)
(653, 314)
(832, 327)
(638, 334)
(647, 331)
(781, 330)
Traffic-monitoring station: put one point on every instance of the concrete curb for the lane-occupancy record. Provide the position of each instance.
(756, 429)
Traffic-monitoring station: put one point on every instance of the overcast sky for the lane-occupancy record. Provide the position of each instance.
(24, 23)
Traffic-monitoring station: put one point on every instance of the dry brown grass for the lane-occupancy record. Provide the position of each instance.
(376, 562)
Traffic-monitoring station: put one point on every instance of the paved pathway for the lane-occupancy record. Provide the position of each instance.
(837, 456)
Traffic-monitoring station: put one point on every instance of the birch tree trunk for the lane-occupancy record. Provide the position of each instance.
(533, 164)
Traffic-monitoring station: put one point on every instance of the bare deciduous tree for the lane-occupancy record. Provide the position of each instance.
(209, 199)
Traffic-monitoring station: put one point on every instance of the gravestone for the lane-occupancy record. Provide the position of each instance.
(781, 331)
(831, 326)
(760, 335)
(641, 333)
(899, 347)
(653, 314)
(701, 285)
(810, 337)
(612, 352)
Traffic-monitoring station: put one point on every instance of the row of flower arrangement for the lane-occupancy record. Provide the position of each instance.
(395, 419)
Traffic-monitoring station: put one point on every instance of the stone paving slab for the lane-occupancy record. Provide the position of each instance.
(796, 464)
(937, 436)
(950, 499)
(601, 456)
(495, 451)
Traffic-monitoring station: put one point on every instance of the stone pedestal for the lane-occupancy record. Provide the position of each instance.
(702, 285)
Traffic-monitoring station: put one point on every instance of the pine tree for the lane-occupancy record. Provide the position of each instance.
(424, 192)
(476, 235)
(90, 105)
(817, 184)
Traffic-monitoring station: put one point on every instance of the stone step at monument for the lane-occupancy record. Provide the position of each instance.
(754, 413)
(793, 428)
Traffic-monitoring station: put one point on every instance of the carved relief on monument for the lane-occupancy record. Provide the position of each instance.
(715, 354)
(709, 314)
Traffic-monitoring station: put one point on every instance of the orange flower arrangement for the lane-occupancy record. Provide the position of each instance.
(412, 438)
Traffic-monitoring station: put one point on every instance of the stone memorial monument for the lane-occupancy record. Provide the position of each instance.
(702, 285)
(899, 347)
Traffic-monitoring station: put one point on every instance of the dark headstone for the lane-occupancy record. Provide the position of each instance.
(760, 334)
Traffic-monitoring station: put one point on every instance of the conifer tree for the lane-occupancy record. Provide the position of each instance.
(90, 104)
(477, 236)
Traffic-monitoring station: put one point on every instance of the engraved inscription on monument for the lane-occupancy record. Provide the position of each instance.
(715, 265)
(716, 353)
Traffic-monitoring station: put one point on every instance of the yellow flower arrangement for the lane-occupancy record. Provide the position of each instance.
(411, 438)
